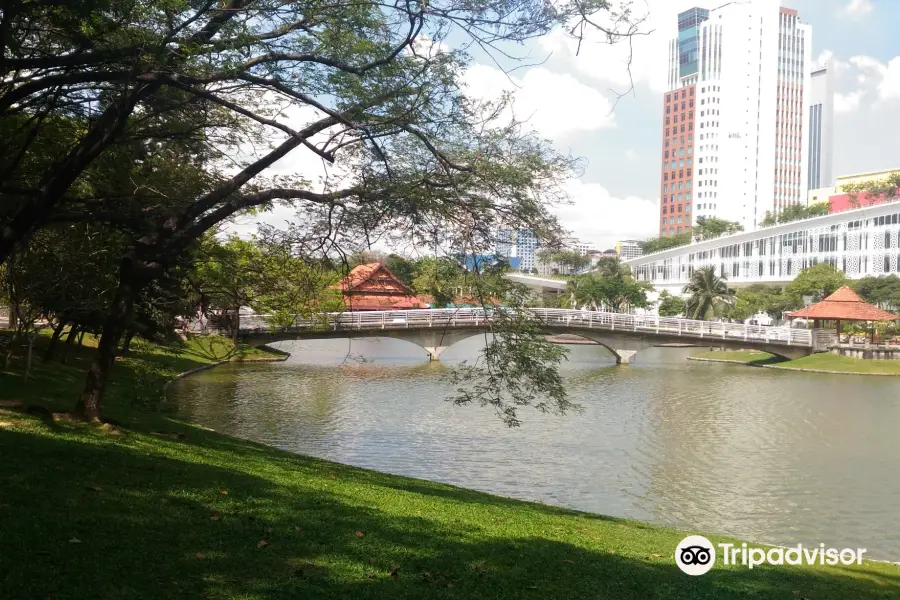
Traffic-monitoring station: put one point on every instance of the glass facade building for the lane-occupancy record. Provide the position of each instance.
(689, 40)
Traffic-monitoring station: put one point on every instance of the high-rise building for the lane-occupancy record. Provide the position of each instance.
(521, 243)
(821, 126)
(734, 143)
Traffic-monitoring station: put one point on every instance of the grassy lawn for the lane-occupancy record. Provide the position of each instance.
(823, 361)
(137, 379)
(155, 508)
(742, 356)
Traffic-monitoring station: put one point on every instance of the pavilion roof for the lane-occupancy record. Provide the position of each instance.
(361, 274)
(844, 305)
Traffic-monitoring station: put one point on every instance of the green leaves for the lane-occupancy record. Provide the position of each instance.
(817, 281)
(710, 296)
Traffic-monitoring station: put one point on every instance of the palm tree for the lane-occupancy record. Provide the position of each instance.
(709, 295)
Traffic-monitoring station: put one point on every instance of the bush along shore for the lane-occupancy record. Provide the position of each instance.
(146, 506)
(815, 363)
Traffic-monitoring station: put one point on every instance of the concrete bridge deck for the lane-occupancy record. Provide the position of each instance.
(623, 334)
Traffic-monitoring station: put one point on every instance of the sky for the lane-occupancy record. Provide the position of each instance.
(574, 101)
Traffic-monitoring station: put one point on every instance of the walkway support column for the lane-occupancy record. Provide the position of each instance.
(434, 352)
(623, 357)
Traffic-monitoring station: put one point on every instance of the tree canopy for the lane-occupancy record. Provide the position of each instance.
(658, 244)
(707, 228)
(795, 212)
(709, 295)
(164, 118)
(817, 282)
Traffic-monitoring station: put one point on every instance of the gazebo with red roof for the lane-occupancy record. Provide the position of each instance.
(843, 305)
(372, 286)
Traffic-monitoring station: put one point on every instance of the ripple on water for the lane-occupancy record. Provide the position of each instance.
(760, 454)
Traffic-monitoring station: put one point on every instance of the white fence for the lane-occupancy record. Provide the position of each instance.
(553, 317)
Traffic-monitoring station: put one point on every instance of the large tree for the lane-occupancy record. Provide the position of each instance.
(222, 91)
(817, 282)
(709, 296)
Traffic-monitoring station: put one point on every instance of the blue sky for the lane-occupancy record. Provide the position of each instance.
(569, 99)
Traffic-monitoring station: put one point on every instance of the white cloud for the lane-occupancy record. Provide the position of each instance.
(647, 51)
(631, 154)
(858, 8)
(848, 102)
(601, 219)
(887, 75)
(868, 63)
(890, 84)
(553, 104)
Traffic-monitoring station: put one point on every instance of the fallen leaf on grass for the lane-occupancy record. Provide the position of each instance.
(224, 492)
(371, 574)
(74, 540)
(200, 555)
(395, 572)
(262, 544)
(359, 534)
(656, 556)
(566, 560)
(216, 515)
(297, 529)
(95, 488)
(166, 434)
(479, 567)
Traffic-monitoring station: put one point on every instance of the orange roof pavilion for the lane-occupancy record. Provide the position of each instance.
(844, 305)
(373, 287)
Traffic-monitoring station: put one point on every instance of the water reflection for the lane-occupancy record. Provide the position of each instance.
(765, 455)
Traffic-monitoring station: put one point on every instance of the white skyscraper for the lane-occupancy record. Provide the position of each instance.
(821, 127)
(750, 80)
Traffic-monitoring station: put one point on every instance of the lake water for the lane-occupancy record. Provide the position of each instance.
(764, 455)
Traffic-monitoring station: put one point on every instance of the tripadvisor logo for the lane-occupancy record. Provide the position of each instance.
(696, 555)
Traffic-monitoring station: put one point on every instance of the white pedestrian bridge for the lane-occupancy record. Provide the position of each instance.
(622, 334)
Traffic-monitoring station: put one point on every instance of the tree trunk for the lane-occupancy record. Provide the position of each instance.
(29, 355)
(54, 341)
(116, 323)
(236, 326)
(70, 342)
(80, 338)
(70, 338)
(126, 345)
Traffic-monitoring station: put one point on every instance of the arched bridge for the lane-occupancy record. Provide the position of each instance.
(623, 334)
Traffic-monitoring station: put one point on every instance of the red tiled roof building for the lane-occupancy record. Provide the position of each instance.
(373, 287)
(843, 305)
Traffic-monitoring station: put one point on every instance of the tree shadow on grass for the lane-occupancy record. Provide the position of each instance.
(85, 516)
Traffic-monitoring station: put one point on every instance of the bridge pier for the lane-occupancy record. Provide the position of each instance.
(623, 357)
(434, 352)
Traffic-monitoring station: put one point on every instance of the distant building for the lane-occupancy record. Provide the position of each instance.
(479, 262)
(821, 127)
(839, 196)
(373, 287)
(521, 244)
(734, 143)
(628, 249)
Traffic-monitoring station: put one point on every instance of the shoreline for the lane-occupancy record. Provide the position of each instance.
(781, 368)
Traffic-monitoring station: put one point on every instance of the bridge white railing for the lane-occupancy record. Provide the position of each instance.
(553, 317)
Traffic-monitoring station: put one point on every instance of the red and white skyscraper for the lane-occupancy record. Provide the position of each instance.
(734, 141)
